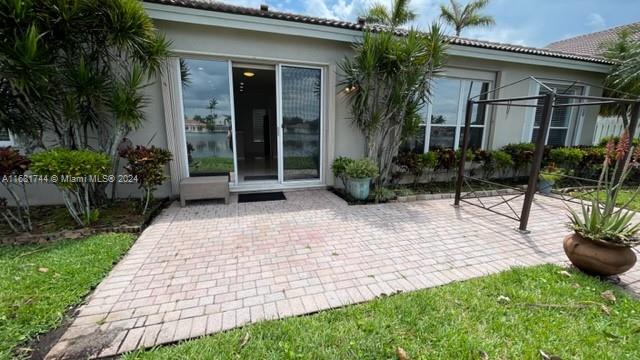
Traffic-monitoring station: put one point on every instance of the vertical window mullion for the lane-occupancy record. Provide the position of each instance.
(459, 120)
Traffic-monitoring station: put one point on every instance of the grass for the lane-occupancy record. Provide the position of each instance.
(512, 315)
(39, 283)
(212, 164)
(624, 196)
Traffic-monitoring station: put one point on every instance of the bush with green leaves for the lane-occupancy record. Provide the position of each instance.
(361, 169)
(446, 159)
(74, 172)
(605, 140)
(566, 157)
(416, 164)
(147, 165)
(12, 166)
(339, 168)
(502, 160)
(468, 158)
(382, 194)
(521, 154)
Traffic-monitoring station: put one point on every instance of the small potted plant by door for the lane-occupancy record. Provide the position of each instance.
(604, 233)
(359, 174)
(548, 177)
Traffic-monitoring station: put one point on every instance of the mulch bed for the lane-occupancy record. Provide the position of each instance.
(52, 222)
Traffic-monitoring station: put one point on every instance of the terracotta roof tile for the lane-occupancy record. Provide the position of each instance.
(593, 44)
(240, 10)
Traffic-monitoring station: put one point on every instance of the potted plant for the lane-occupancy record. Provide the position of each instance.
(603, 233)
(339, 168)
(548, 177)
(359, 174)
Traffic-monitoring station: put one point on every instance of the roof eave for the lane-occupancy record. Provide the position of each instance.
(285, 27)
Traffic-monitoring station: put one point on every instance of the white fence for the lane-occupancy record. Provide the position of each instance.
(609, 126)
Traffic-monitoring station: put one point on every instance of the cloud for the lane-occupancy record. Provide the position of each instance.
(596, 21)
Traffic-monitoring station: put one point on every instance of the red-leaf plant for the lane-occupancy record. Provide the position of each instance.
(12, 166)
(147, 165)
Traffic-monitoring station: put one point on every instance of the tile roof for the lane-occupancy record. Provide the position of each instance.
(592, 44)
(359, 26)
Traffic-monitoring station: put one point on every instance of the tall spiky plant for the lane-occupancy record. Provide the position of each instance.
(388, 82)
(460, 17)
(399, 14)
(602, 220)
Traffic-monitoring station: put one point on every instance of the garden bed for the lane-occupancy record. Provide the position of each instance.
(52, 222)
(435, 190)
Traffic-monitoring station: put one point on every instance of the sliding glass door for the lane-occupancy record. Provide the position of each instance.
(261, 123)
(300, 118)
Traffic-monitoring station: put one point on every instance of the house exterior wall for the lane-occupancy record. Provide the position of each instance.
(341, 137)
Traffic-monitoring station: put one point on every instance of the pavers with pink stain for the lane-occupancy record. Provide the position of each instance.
(208, 268)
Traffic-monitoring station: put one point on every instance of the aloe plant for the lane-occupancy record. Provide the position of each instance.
(601, 220)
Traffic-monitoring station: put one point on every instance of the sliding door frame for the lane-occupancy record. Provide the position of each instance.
(281, 179)
(278, 63)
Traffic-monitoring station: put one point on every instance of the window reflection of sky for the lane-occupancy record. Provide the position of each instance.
(208, 79)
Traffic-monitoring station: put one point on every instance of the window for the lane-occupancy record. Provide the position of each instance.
(445, 128)
(207, 117)
(562, 119)
(5, 137)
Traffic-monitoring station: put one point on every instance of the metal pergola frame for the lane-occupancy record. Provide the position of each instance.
(548, 104)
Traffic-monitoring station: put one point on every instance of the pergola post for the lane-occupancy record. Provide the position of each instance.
(547, 111)
(463, 151)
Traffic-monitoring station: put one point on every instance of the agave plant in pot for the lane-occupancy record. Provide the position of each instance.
(359, 174)
(604, 234)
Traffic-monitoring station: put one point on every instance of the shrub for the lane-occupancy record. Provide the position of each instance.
(382, 194)
(502, 160)
(416, 164)
(521, 154)
(485, 159)
(73, 172)
(566, 157)
(470, 155)
(147, 165)
(339, 168)
(12, 166)
(446, 159)
(605, 140)
(361, 169)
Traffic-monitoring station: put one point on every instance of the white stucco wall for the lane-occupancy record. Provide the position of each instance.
(342, 139)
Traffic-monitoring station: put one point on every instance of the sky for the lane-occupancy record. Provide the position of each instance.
(521, 22)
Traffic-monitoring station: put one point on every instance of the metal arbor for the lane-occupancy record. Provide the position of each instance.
(547, 102)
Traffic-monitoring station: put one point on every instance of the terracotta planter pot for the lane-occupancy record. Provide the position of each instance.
(598, 258)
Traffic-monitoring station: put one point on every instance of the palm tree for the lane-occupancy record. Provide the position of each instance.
(399, 14)
(622, 79)
(389, 81)
(460, 17)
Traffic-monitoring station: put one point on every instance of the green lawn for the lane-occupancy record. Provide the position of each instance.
(38, 283)
(623, 197)
(512, 315)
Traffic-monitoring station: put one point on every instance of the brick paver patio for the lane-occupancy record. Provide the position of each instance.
(207, 268)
